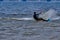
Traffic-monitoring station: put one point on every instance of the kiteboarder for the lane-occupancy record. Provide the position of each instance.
(36, 17)
(47, 16)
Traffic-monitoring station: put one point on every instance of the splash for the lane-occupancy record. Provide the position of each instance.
(51, 14)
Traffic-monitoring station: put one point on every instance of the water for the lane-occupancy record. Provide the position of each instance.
(29, 30)
(27, 7)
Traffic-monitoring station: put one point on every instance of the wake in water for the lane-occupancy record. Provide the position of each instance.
(22, 18)
(50, 15)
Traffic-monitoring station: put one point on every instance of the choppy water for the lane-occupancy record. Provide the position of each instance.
(29, 30)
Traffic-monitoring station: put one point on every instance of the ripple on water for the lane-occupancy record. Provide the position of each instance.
(9, 29)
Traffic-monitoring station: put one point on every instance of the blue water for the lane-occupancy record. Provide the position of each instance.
(27, 7)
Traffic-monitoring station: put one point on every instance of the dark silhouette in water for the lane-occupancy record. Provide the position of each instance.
(35, 16)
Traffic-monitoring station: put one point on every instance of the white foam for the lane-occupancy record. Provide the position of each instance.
(50, 14)
(22, 18)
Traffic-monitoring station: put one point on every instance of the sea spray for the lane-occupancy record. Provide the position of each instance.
(50, 15)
